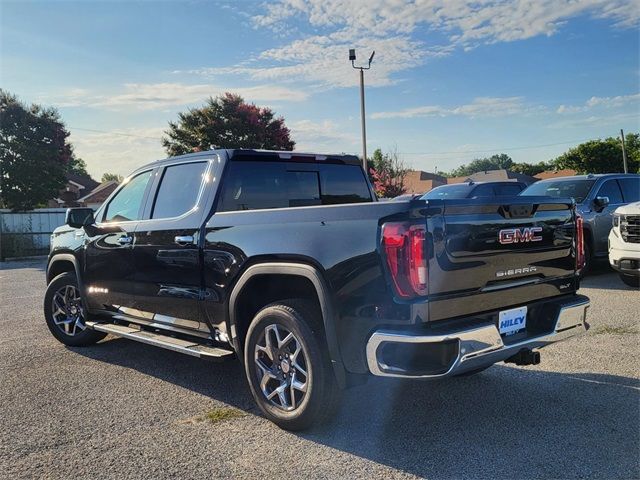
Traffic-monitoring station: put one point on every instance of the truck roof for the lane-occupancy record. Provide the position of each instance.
(266, 155)
(590, 176)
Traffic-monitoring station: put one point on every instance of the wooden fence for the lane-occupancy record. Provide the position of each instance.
(24, 234)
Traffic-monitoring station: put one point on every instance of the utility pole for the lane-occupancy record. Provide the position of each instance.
(352, 57)
(624, 152)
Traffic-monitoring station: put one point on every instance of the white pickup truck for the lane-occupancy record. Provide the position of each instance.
(624, 243)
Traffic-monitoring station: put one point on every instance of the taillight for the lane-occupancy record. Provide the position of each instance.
(405, 250)
(580, 260)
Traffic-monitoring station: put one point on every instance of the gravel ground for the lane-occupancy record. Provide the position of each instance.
(127, 410)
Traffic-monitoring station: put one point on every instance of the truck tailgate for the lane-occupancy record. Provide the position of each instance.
(495, 253)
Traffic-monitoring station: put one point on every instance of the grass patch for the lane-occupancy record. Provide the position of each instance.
(216, 415)
(220, 414)
(611, 330)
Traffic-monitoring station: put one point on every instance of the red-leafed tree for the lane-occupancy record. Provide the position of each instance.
(387, 172)
(227, 121)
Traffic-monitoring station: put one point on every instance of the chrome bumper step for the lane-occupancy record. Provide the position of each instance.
(187, 347)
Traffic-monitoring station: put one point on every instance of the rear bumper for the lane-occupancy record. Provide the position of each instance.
(473, 348)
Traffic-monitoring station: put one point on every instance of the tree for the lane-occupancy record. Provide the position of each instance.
(495, 162)
(387, 172)
(531, 169)
(107, 177)
(78, 166)
(602, 156)
(34, 153)
(227, 122)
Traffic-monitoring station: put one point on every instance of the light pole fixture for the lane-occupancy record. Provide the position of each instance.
(352, 58)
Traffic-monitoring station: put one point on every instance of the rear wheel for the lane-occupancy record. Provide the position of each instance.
(287, 366)
(65, 314)
(630, 280)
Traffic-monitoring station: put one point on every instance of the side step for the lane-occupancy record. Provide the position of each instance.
(164, 341)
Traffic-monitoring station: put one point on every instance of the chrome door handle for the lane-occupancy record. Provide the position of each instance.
(125, 240)
(184, 240)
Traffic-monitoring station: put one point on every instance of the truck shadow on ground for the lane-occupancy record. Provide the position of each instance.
(503, 423)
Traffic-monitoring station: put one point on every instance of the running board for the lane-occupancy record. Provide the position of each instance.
(163, 341)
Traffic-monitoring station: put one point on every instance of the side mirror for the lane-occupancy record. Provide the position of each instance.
(601, 202)
(79, 217)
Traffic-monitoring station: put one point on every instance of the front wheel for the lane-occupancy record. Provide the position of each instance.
(288, 367)
(631, 280)
(65, 314)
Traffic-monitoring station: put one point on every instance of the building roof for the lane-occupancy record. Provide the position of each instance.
(84, 182)
(100, 193)
(502, 176)
(418, 181)
(566, 172)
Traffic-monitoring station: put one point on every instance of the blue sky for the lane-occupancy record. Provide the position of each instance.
(452, 80)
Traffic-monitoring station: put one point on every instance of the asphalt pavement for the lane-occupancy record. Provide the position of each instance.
(121, 409)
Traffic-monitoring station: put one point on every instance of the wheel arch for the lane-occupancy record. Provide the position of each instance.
(314, 278)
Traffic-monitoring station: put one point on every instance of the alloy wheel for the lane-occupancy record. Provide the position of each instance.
(282, 367)
(67, 311)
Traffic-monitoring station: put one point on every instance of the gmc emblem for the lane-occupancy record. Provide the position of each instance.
(519, 235)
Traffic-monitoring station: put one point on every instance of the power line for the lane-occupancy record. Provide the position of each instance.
(494, 150)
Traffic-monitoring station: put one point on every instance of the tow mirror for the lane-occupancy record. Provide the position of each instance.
(601, 202)
(79, 217)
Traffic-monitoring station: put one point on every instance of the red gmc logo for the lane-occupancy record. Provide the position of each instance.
(519, 235)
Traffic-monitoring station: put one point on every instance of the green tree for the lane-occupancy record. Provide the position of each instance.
(387, 172)
(531, 169)
(78, 166)
(495, 162)
(107, 177)
(34, 153)
(227, 122)
(602, 156)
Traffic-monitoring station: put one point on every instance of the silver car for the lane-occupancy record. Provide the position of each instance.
(597, 197)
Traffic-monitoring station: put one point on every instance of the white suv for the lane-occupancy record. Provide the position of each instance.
(624, 243)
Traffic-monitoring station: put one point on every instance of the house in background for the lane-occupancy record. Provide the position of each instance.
(567, 172)
(82, 191)
(98, 195)
(418, 181)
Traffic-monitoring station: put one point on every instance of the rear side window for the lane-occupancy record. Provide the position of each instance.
(611, 189)
(259, 185)
(179, 189)
(630, 189)
(506, 190)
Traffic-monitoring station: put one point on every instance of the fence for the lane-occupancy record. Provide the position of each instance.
(24, 234)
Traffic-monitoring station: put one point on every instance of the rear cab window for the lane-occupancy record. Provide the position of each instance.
(257, 185)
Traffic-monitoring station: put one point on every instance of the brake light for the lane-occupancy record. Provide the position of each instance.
(406, 256)
(580, 259)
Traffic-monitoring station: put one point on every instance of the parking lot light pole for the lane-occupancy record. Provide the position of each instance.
(352, 57)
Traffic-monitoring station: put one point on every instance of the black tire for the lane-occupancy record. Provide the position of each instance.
(322, 395)
(474, 371)
(80, 337)
(630, 280)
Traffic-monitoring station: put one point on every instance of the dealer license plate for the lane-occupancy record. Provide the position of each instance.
(512, 321)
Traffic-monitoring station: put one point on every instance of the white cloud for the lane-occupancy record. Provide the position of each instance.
(479, 107)
(325, 136)
(601, 102)
(392, 27)
(119, 151)
(155, 96)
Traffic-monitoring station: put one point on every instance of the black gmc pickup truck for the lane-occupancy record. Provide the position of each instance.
(287, 261)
